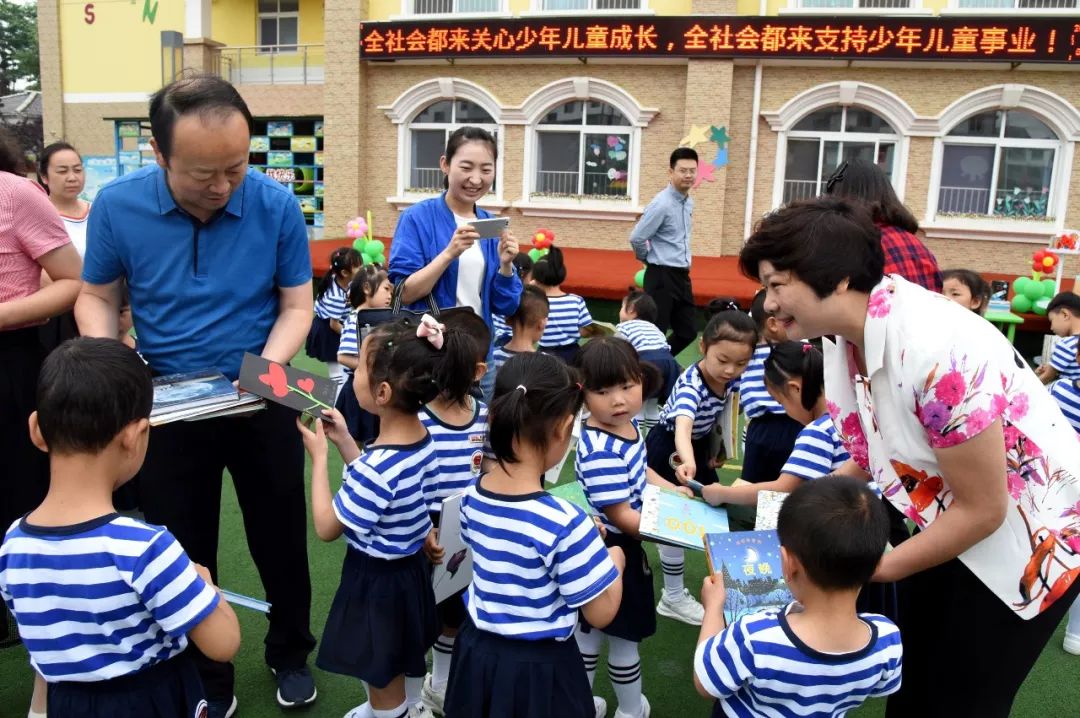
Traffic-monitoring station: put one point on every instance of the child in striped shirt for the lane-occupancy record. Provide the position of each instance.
(537, 561)
(457, 422)
(770, 432)
(678, 448)
(1067, 394)
(568, 317)
(500, 325)
(610, 464)
(1063, 311)
(817, 656)
(331, 310)
(528, 324)
(383, 619)
(370, 289)
(105, 603)
(637, 325)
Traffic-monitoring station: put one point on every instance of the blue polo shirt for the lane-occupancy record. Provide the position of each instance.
(201, 294)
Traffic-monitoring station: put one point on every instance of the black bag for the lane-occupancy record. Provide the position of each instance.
(367, 319)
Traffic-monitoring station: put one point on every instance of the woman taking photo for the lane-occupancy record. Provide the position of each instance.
(936, 407)
(439, 253)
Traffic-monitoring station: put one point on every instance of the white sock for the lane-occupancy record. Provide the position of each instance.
(589, 646)
(624, 670)
(441, 653)
(1073, 628)
(402, 711)
(34, 714)
(414, 688)
(672, 563)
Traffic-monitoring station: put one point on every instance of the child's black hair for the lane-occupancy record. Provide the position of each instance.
(609, 361)
(532, 307)
(757, 311)
(796, 360)
(88, 390)
(550, 270)
(731, 325)
(523, 264)
(978, 286)
(415, 370)
(341, 259)
(721, 304)
(534, 392)
(365, 283)
(476, 332)
(1065, 300)
(837, 529)
(643, 305)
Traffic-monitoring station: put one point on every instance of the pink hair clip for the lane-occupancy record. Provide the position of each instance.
(430, 329)
(806, 348)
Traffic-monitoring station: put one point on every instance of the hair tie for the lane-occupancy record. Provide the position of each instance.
(579, 386)
(431, 330)
(805, 348)
(522, 387)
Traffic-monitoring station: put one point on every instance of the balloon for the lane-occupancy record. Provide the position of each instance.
(535, 254)
(356, 227)
(1033, 290)
(380, 258)
(639, 278)
(543, 239)
(376, 246)
(1021, 304)
(1048, 262)
(1049, 289)
(1021, 283)
(1040, 306)
(358, 244)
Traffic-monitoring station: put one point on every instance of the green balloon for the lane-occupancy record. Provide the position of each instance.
(1033, 290)
(358, 244)
(1049, 290)
(1021, 283)
(639, 278)
(379, 259)
(1021, 304)
(376, 247)
(1040, 306)
(535, 254)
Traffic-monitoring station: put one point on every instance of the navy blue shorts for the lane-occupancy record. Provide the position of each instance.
(769, 441)
(662, 457)
(669, 371)
(567, 352)
(322, 341)
(496, 677)
(170, 689)
(636, 619)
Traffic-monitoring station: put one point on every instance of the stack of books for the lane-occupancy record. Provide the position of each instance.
(197, 395)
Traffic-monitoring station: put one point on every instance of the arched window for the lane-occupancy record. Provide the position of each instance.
(428, 133)
(583, 149)
(819, 142)
(998, 163)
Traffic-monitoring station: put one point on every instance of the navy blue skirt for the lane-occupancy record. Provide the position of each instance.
(636, 619)
(382, 621)
(662, 458)
(322, 341)
(567, 352)
(363, 426)
(170, 689)
(496, 677)
(669, 371)
(769, 441)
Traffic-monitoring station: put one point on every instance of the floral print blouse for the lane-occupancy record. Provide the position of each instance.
(938, 375)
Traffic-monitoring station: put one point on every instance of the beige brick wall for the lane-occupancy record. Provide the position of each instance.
(345, 115)
(86, 126)
(52, 86)
(284, 100)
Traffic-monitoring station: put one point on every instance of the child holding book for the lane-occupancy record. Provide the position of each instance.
(678, 447)
(638, 315)
(370, 289)
(818, 655)
(383, 619)
(123, 652)
(610, 464)
(500, 327)
(331, 311)
(967, 289)
(1063, 311)
(537, 561)
(528, 324)
(568, 316)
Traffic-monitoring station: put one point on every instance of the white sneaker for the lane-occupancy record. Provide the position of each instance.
(419, 710)
(432, 698)
(601, 706)
(646, 709)
(1071, 644)
(685, 608)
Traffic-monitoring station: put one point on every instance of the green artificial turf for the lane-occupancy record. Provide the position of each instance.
(1052, 689)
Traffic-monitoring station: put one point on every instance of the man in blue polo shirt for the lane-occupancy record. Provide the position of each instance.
(216, 261)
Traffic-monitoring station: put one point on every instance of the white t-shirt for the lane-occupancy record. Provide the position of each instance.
(470, 269)
(76, 229)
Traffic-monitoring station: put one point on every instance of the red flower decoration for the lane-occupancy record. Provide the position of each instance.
(276, 380)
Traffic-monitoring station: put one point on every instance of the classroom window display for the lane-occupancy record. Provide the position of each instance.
(582, 150)
(291, 152)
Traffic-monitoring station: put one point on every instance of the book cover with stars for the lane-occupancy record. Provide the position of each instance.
(749, 562)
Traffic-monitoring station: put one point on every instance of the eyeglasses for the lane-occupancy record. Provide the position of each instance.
(835, 178)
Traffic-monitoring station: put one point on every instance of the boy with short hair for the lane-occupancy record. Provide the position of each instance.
(817, 652)
(527, 323)
(638, 315)
(105, 603)
(1063, 311)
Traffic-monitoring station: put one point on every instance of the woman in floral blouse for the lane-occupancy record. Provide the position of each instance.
(937, 408)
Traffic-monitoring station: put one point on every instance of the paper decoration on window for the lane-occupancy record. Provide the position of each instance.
(719, 135)
(705, 173)
(698, 136)
(721, 158)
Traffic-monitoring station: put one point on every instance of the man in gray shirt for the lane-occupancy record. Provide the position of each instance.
(661, 239)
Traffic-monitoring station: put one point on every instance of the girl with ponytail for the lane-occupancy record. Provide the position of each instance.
(568, 316)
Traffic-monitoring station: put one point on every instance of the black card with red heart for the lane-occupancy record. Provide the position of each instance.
(282, 384)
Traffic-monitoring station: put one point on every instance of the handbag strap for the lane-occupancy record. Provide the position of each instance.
(395, 299)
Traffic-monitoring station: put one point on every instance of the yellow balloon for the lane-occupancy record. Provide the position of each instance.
(1048, 261)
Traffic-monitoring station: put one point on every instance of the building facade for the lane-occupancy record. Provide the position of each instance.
(969, 105)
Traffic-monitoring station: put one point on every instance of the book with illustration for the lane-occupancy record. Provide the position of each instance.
(671, 518)
(185, 394)
(749, 562)
(455, 571)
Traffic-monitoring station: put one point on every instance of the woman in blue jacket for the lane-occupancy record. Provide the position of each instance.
(437, 250)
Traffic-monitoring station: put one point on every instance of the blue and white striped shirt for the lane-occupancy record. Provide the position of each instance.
(694, 398)
(536, 560)
(500, 356)
(611, 470)
(1067, 396)
(754, 398)
(757, 666)
(459, 451)
(1063, 358)
(332, 304)
(643, 336)
(818, 450)
(567, 315)
(499, 328)
(101, 599)
(382, 501)
(348, 343)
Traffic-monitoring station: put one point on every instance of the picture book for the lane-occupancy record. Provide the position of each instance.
(672, 518)
(285, 385)
(455, 571)
(259, 143)
(190, 391)
(302, 144)
(573, 492)
(725, 442)
(768, 508)
(279, 158)
(749, 562)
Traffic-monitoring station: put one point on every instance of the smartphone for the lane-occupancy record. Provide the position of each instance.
(488, 228)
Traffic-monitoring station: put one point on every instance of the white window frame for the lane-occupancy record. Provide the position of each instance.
(447, 128)
(536, 7)
(408, 7)
(954, 8)
(915, 7)
(582, 130)
(275, 48)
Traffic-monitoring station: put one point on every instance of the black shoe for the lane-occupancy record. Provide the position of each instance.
(296, 687)
(223, 708)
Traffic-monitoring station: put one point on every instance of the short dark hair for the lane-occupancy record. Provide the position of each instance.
(88, 390)
(796, 360)
(43, 161)
(523, 263)
(532, 307)
(415, 370)
(550, 270)
(732, 326)
(468, 134)
(610, 361)
(533, 393)
(837, 529)
(364, 284)
(978, 286)
(1064, 300)
(465, 320)
(682, 153)
(757, 310)
(861, 180)
(207, 95)
(643, 305)
(823, 241)
(721, 304)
